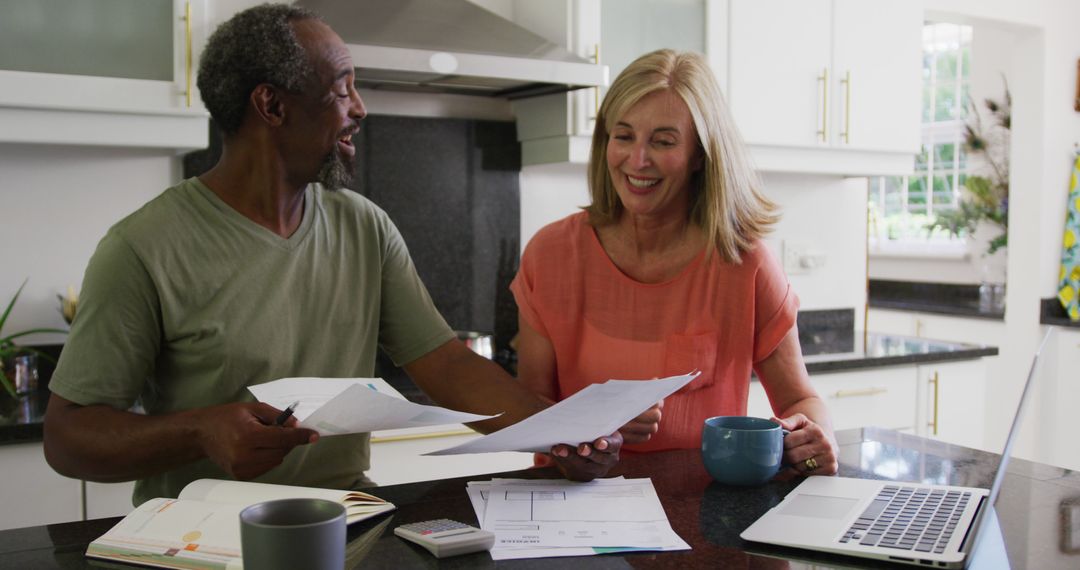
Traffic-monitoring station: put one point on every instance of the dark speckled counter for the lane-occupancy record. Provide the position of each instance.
(707, 515)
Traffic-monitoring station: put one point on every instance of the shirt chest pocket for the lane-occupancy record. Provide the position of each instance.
(684, 353)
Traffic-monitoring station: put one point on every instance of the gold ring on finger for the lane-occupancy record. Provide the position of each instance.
(811, 464)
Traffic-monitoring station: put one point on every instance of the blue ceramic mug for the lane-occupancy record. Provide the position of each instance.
(742, 450)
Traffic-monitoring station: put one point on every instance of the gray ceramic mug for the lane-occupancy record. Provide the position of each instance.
(742, 450)
(293, 533)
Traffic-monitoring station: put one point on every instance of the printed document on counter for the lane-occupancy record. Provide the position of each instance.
(335, 406)
(548, 518)
(595, 411)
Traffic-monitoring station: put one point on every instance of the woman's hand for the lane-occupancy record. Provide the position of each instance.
(809, 449)
(641, 428)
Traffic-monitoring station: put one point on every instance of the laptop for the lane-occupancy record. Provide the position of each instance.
(925, 525)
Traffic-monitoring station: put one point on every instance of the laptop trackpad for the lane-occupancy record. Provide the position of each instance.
(819, 506)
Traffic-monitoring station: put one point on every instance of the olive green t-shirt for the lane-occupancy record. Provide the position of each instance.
(186, 302)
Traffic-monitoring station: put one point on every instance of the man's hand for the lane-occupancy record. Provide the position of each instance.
(242, 440)
(588, 461)
(641, 428)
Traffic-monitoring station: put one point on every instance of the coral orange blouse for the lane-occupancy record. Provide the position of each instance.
(714, 316)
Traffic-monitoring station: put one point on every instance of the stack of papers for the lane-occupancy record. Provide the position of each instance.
(546, 518)
(336, 406)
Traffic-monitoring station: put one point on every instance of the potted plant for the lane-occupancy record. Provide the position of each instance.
(986, 195)
(9, 349)
(982, 214)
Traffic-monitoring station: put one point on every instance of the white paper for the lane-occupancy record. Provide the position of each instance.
(335, 406)
(509, 546)
(595, 411)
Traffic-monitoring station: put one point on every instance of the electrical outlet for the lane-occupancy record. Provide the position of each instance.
(794, 253)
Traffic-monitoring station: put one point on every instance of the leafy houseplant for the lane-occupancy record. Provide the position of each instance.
(9, 350)
(987, 194)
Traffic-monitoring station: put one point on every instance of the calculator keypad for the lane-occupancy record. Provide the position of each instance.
(430, 527)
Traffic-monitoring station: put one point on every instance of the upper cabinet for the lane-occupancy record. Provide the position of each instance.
(102, 72)
(829, 86)
(817, 86)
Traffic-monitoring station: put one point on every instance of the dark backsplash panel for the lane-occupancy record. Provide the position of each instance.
(451, 187)
(826, 331)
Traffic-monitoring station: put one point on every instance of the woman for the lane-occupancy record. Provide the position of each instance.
(665, 271)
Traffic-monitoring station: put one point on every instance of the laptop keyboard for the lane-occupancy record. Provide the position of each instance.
(909, 518)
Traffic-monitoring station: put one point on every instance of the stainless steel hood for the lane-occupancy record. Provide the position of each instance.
(451, 46)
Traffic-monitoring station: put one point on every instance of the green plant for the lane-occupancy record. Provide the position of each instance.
(986, 195)
(8, 348)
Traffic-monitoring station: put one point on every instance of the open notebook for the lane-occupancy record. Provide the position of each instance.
(201, 528)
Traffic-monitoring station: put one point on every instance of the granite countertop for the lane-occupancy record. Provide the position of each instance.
(22, 423)
(937, 298)
(1034, 508)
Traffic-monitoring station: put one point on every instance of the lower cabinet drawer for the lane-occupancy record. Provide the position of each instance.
(884, 397)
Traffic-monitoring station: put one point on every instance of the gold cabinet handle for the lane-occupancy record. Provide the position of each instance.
(823, 79)
(187, 51)
(860, 392)
(934, 424)
(847, 107)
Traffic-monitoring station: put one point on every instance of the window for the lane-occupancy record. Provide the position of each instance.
(902, 206)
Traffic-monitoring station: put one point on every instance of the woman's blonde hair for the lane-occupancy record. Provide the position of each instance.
(726, 199)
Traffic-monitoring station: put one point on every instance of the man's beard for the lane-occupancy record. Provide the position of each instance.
(336, 171)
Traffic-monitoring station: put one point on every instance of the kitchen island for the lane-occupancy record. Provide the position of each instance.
(1038, 510)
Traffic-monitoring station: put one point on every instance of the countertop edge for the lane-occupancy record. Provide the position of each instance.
(908, 359)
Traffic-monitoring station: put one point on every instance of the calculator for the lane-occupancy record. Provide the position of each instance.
(444, 537)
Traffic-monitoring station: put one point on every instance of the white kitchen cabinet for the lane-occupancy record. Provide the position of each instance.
(952, 402)
(396, 456)
(32, 493)
(1053, 413)
(942, 400)
(832, 86)
(102, 72)
(884, 397)
(108, 499)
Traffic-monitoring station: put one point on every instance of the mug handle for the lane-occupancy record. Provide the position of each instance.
(784, 433)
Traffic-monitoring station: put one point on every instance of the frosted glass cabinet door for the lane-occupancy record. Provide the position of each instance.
(631, 28)
(131, 39)
(102, 73)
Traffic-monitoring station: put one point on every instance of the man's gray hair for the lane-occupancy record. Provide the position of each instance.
(253, 47)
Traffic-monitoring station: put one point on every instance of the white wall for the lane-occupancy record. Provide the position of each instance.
(827, 215)
(58, 203)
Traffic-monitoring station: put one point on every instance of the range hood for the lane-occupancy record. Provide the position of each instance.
(451, 46)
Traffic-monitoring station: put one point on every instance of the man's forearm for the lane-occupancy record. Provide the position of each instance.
(100, 443)
(458, 379)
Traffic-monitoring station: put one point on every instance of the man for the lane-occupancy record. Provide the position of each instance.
(248, 274)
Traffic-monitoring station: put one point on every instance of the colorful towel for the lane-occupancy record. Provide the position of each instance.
(1069, 276)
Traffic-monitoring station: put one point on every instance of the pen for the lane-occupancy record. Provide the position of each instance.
(283, 416)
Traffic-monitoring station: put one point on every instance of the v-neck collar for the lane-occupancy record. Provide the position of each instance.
(236, 218)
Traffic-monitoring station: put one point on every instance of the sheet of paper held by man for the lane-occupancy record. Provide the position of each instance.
(335, 406)
(595, 411)
(533, 518)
